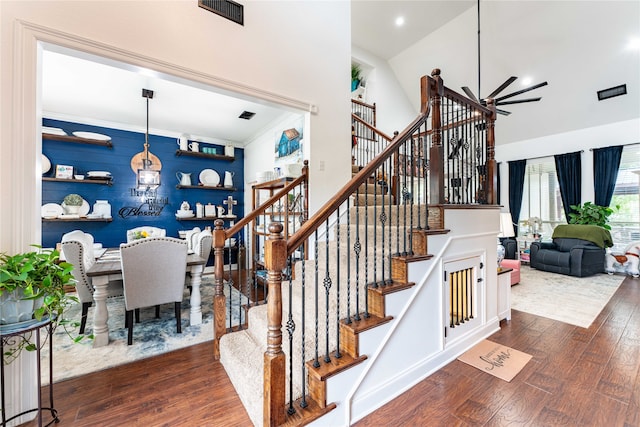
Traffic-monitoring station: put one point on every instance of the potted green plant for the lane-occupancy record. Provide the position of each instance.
(589, 213)
(72, 203)
(356, 77)
(32, 287)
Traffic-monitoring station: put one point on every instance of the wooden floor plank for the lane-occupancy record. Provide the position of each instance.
(574, 378)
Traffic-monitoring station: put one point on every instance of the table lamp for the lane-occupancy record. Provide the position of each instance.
(506, 230)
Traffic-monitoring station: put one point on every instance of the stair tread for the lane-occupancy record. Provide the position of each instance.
(432, 231)
(392, 287)
(413, 258)
(304, 416)
(334, 367)
(365, 323)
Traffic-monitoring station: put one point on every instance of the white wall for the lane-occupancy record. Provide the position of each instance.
(393, 109)
(621, 133)
(284, 50)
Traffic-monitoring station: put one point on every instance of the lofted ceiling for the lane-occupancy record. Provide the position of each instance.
(579, 47)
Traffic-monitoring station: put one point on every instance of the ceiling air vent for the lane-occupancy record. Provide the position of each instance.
(611, 92)
(247, 115)
(226, 8)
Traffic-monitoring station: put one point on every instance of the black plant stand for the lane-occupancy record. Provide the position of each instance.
(15, 336)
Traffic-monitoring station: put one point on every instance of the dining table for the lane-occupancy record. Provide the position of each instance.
(108, 268)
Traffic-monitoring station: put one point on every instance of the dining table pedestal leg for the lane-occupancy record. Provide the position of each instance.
(195, 302)
(100, 314)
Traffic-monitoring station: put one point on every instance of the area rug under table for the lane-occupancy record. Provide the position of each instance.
(573, 300)
(151, 336)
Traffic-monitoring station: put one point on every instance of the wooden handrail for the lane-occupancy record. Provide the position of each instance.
(267, 204)
(371, 128)
(305, 231)
(364, 104)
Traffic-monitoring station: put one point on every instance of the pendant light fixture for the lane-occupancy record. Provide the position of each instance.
(146, 165)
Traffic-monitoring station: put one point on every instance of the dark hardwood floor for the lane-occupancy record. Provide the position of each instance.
(577, 377)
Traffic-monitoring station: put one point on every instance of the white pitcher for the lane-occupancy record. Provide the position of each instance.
(183, 178)
(183, 142)
(228, 179)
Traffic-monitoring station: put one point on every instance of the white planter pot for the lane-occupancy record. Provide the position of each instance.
(14, 308)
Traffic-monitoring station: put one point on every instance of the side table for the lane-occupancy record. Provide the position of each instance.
(15, 335)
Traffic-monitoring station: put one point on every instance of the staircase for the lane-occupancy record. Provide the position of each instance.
(367, 312)
(246, 372)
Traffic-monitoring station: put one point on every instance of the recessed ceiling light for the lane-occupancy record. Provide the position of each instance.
(526, 81)
(400, 21)
(634, 43)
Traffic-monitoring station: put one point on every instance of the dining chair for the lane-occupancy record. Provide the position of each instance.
(77, 248)
(153, 270)
(135, 233)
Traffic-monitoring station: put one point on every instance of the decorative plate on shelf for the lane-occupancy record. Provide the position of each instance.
(92, 135)
(46, 164)
(51, 210)
(209, 178)
(53, 131)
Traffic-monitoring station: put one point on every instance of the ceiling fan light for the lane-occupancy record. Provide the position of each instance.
(526, 81)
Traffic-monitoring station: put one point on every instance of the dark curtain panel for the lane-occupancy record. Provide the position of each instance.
(606, 162)
(569, 173)
(517, 168)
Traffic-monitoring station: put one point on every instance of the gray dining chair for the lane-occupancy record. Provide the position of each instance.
(153, 270)
(77, 249)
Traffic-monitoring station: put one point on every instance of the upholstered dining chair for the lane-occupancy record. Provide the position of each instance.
(77, 248)
(134, 233)
(153, 270)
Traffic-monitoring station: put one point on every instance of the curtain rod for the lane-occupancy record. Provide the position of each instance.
(550, 155)
(623, 145)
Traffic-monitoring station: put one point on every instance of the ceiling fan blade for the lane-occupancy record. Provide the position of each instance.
(470, 94)
(502, 86)
(519, 101)
(521, 91)
(503, 112)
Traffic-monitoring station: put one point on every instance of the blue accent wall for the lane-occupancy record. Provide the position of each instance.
(117, 160)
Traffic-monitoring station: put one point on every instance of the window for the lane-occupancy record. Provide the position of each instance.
(625, 223)
(541, 197)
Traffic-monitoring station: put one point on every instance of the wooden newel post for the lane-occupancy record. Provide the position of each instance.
(436, 153)
(219, 300)
(275, 257)
(492, 166)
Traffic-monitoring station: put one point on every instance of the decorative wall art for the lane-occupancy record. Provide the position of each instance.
(288, 145)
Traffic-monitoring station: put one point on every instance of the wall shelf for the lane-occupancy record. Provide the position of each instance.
(80, 181)
(205, 187)
(77, 219)
(209, 218)
(204, 155)
(77, 140)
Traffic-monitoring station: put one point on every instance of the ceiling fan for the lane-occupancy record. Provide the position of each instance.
(502, 100)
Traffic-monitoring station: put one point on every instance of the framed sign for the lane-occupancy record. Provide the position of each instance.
(64, 171)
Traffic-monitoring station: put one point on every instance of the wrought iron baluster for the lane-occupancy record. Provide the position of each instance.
(348, 320)
(291, 327)
(303, 402)
(327, 287)
(316, 362)
(375, 228)
(337, 354)
(356, 248)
